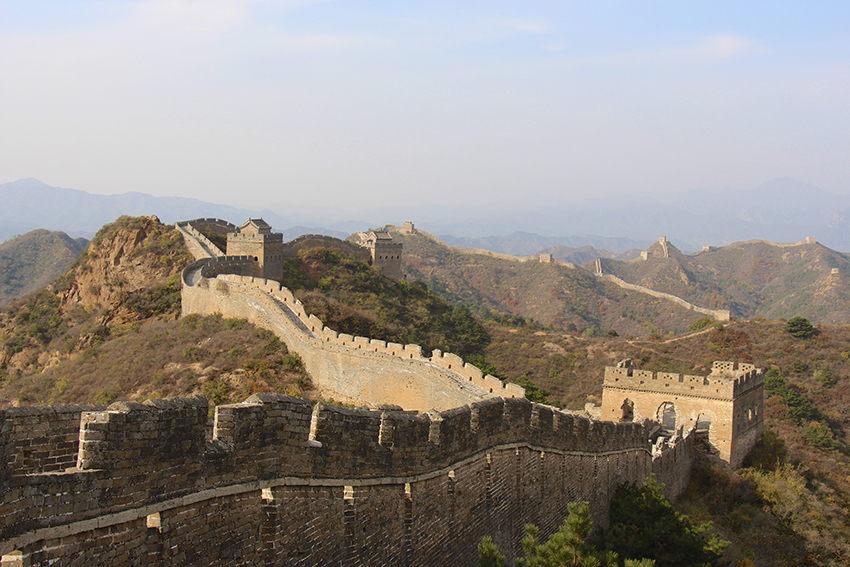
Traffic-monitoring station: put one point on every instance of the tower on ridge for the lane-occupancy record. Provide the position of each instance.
(386, 254)
(255, 238)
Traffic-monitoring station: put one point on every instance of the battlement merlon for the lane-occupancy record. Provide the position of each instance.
(727, 380)
(282, 433)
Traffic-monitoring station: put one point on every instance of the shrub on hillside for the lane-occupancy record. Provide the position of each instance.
(800, 327)
(352, 297)
(572, 545)
(532, 391)
(701, 323)
(644, 524)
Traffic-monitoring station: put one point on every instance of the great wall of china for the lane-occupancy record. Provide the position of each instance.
(346, 368)
(718, 314)
(278, 482)
(274, 481)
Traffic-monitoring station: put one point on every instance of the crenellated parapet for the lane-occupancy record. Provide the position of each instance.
(287, 436)
(345, 367)
(227, 265)
(41, 438)
(252, 237)
(198, 245)
(158, 462)
(668, 382)
(374, 372)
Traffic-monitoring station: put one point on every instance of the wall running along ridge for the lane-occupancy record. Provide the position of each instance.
(275, 481)
(499, 255)
(718, 314)
(199, 245)
(355, 370)
(278, 482)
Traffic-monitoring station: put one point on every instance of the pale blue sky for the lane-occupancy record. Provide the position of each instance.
(339, 103)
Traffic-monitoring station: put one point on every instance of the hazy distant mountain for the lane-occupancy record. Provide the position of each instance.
(35, 259)
(782, 210)
(30, 204)
(524, 243)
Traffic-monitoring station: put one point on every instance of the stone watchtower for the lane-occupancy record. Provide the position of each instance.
(386, 254)
(255, 238)
(728, 404)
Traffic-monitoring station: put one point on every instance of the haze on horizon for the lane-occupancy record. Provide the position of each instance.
(275, 104)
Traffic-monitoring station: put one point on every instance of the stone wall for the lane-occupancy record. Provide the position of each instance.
(718, 314)
(43, 438)
(199, 245)
(266, 249)
(209, 224)
(350, 369)
(387, 257)
(278, 482)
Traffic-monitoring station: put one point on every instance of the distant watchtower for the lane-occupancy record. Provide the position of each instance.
(728, 404)
(386, 254)
(255, 238)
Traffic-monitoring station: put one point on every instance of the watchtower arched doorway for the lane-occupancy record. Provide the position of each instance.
(666, 416)
(704, 423)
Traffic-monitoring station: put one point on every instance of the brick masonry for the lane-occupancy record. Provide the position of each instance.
(278, 482)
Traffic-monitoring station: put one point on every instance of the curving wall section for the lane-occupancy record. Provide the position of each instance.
(718, 314)
(350, 369)
(278, 482)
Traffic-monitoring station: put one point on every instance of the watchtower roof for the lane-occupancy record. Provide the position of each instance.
(255, 226)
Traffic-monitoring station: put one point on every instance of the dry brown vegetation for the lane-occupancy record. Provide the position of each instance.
(353, 297)
(790, 505)
(33, 260)
(554, 295)
(107, 330)
(225, 359)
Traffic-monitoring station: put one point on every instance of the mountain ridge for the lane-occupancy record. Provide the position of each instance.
(783, 210)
